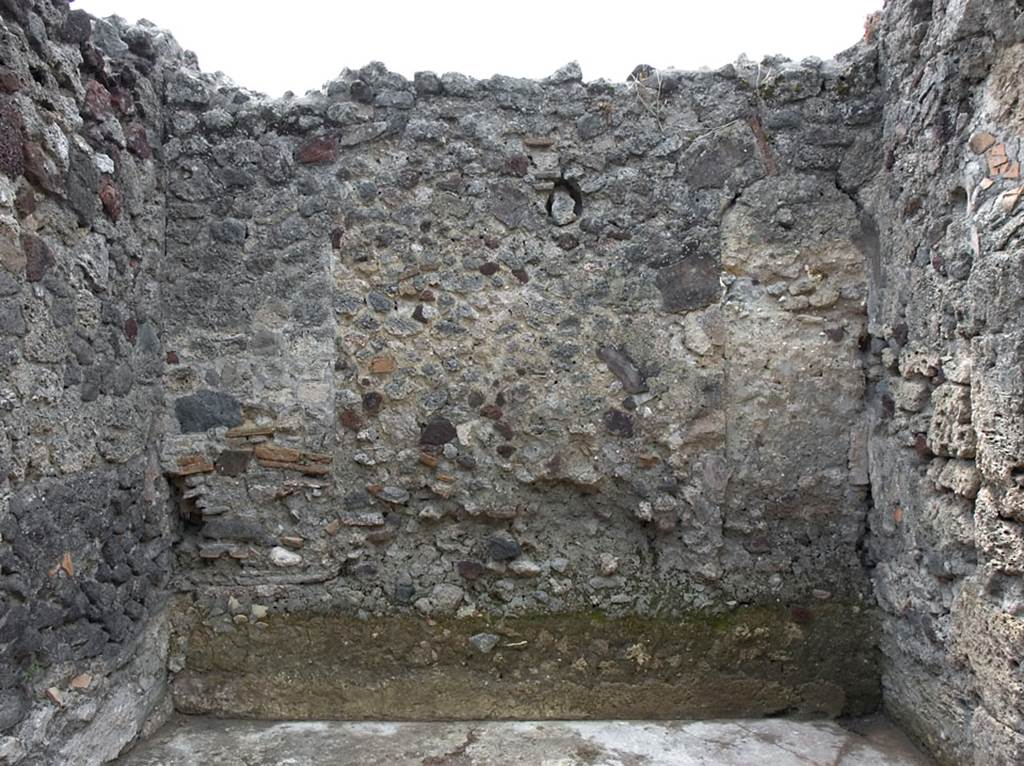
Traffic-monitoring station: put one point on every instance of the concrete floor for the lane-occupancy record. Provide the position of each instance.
(765, 742)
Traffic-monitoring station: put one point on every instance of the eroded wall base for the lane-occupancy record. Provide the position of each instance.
(754, 661)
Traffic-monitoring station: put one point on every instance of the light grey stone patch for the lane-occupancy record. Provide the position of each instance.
(562, 207)
(394, 495)
(484, 642)
(282, 557)
(446, 597)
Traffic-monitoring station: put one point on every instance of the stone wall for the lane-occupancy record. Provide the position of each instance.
(506, 399)
(947, 445)
(85, 532)
(507, 349)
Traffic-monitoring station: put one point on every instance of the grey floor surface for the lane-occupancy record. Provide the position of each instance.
(764, 742)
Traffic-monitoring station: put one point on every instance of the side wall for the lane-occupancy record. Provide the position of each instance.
(947, 389)
(84, 525)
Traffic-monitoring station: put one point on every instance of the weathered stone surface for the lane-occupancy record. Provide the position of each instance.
(470, 570)
(77, 27)
(618, 422)
(85, 536)
(502, 547)
(694, 666)
(83, 186)
(38, 258)
(562, 207)
(12, 254)
(552, 352)
(12, 161)
(207, 409)
(418, 298)
(944, 319)
(484, 642)
(689, 284)
(282, 557)
(317, 151)
(233, 462)
(437, 432)
(623, 368)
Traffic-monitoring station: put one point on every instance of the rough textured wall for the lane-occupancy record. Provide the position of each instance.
(510, 349)
(947, 446)
(84, 526)
(534, 398)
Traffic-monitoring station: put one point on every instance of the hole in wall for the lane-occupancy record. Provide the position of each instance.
(958, 197)
(565, 202)
(39, 75)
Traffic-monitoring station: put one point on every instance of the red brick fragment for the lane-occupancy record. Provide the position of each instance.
(111, 199)
(97, 102)
(39, 169)
(350, 419)
(318, 151)
(138, 141)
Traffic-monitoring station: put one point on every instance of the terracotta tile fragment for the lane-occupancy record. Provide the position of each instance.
(996, 157)
(250, 430)
(1009, 199)
(268, 451)
(276, 452)
(81, 681)
(192, 464)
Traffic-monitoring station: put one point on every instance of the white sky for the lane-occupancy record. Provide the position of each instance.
(278, 45)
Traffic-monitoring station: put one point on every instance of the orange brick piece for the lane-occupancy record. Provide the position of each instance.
(81, 681)
(996, 158)
(250, 430)
(190, 464)
(278, 453)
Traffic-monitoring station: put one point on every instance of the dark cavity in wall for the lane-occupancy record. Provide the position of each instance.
(565, 202)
